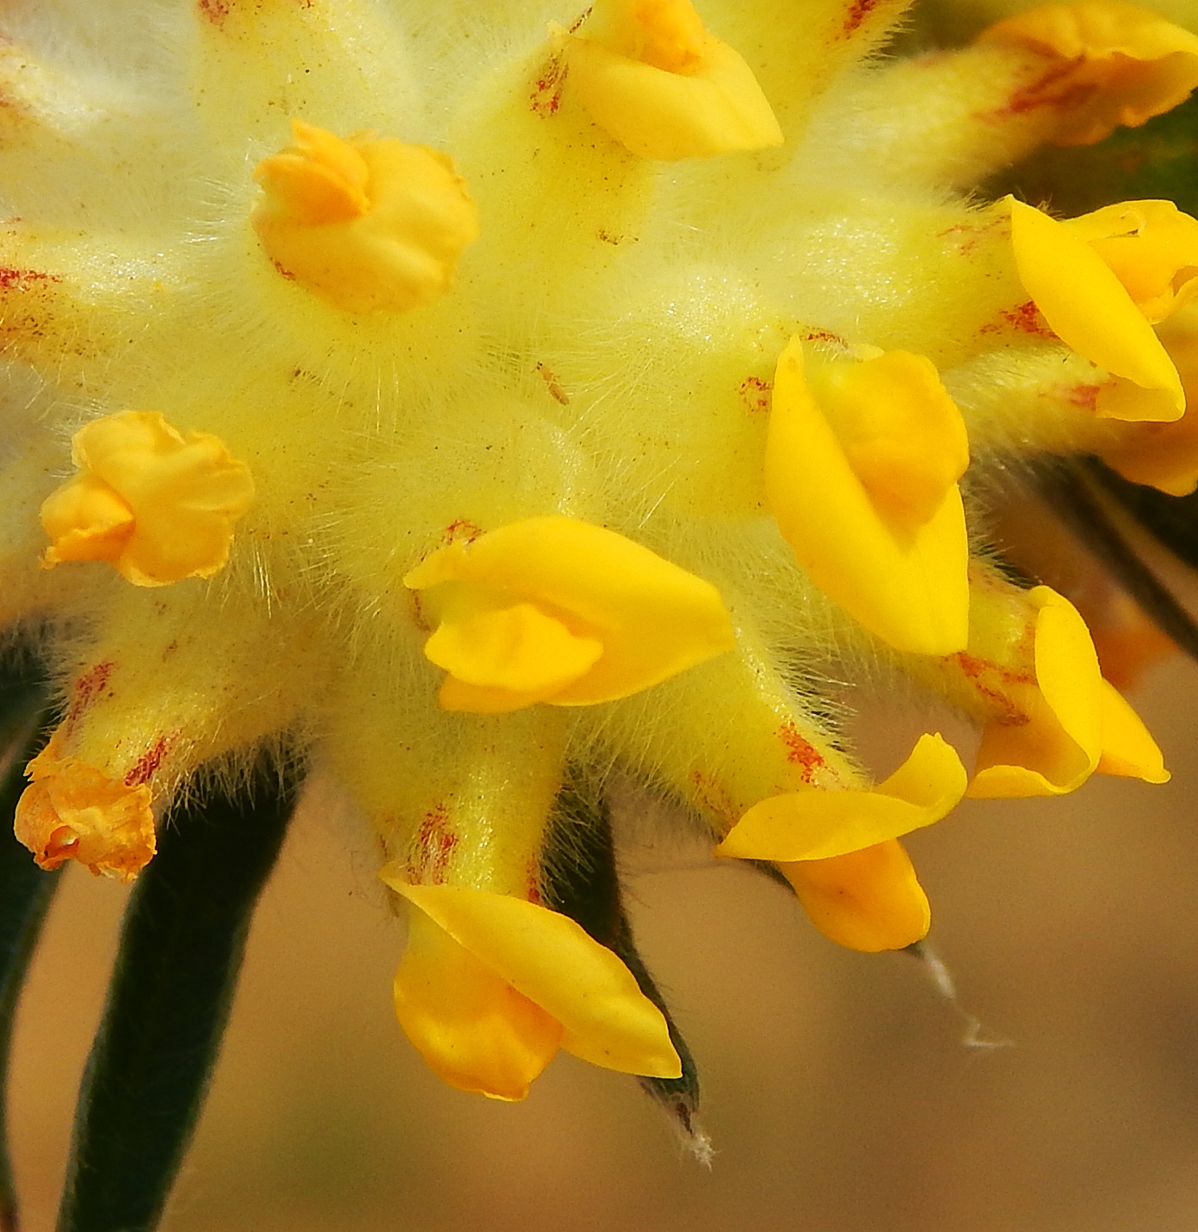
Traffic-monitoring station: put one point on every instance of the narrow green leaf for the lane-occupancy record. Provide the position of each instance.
(582, 882)
(25, 890)
(181, 948)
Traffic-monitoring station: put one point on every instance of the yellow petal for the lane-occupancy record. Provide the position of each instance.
(1122, 65)
(653, 79)
(369, 225)
(652, 618)
(817, 825)
(85, 520)
(517, 648)
(183, 496)
(1128, 750)
(1165, 455)
(472, 1027)
(868, 900)
(1151, 247)
(1091, 311)
(320, 179)
(548, 958)
(903, 578)
(1052, 744)
(72, 811)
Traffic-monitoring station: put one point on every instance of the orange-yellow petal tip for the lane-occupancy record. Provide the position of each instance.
(819, 825)
(548, 961)
(649, 74)
(367, 224)
(72, 811)
(1119, 64)
(1091, 311)
(868, 900)
(1052, 746)
(861, 467)
(156, 505)
(1128, 749)
(556, 610)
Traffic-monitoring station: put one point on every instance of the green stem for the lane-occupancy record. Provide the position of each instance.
(181, 948)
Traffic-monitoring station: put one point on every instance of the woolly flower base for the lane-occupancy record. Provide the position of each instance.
(482, 398)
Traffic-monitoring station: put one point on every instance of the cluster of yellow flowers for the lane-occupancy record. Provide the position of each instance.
(563, 399)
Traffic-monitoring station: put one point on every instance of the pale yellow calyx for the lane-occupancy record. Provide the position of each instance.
(1088, 307)
(158, 506)
(1151, 247)
(1049, 737)
(868, 900)
(861, 467)
(556, 610)
(72, 811)
(648, 73)
(1118, 64)
(367, 224)
(491, 986)
(819, 825)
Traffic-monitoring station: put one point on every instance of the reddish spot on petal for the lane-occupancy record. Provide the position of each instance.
(755, 393)
(800, 752)
(86, 689)
(1025, 317)
(859, 10)
(435, 843)
(1054, 88)
(463, 529)
(988, 679)
(19, 279)
(546, 96)
(214, 11)
(145, 766)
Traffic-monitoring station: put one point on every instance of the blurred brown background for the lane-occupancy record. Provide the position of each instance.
(838, 1090)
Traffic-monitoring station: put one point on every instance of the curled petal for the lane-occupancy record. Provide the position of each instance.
(1128, 750)
(652, 78)
(1091, 311)
(158, 506)
(1164, 455)
(818, 825)
(1119, 64)
(523, 608)
(1051, 739)
(507, 657)
(1151, 247)
(868, 900)
(548, 959)
(366, 224)
(474, 1030)
(71, 811)
(861, 465)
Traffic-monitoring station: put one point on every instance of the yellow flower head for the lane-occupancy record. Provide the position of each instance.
(615, 489)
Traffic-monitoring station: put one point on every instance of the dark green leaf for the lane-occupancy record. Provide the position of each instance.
(168, 1003)
(25, 890)
(583, 883)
